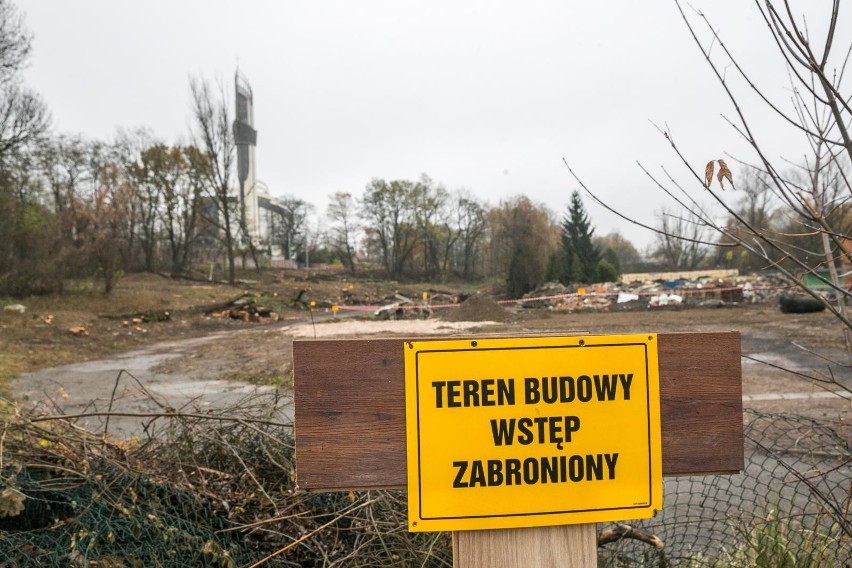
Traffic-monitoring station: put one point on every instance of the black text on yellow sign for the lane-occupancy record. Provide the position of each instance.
(527, 432)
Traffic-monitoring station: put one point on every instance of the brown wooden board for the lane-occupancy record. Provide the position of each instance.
(350, 409)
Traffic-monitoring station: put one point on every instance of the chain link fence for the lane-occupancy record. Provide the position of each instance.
(790, 507)
(215, 489)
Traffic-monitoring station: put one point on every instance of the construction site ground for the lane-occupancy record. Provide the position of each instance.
(203, 355)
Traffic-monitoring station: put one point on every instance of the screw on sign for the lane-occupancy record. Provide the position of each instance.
(560, 432)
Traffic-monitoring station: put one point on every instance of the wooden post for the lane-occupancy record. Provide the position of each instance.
(350, 432)
(538, 547)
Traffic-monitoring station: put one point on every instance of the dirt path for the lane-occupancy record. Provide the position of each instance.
(191, 375)
(131, 383)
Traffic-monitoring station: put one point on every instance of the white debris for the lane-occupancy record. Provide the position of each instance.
(666, 300)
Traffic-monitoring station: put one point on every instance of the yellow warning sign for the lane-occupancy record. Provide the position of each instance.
(528, 432)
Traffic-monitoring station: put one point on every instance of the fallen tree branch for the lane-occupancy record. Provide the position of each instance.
(619, 532)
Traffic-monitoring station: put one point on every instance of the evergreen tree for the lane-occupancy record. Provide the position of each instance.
(609, 268)
(581, 254)
(558, 266)
(607, 272)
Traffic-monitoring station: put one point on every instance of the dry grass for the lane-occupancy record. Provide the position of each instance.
(40, 338)
(204, 489)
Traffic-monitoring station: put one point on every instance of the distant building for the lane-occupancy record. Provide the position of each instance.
(262, 211)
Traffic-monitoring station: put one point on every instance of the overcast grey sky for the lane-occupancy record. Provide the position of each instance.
(488, 96)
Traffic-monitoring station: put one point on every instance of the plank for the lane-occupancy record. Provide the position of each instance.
(350, 409)
(539, 547)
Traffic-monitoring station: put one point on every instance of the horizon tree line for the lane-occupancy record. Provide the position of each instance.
(74, 207)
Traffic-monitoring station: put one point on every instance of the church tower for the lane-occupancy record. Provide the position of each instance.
(245, 138)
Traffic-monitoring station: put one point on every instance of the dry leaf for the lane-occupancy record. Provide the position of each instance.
(708, 173)
(11, 503)
(78, 330)
(724, 174)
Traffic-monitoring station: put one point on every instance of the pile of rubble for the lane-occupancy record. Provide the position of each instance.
(687, 288)
(401, 307)
(555, 296)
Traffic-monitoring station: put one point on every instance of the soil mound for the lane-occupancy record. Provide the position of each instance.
(477, 308)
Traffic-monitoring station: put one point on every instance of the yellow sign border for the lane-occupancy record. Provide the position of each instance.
(419, 523)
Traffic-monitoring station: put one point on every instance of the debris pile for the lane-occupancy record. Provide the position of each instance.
(555, 296)
(477, 308)
(402, 307)
(546, 290)
(699, 288)
(444, 298)
(583, 302)
(347, 295)
(665, 300)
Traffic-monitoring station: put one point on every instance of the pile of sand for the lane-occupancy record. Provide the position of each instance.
(476, 308)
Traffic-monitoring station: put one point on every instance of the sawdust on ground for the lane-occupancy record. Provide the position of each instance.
(360, 328)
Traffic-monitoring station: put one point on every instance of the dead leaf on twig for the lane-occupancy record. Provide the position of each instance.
(708, 173)
(724, 174)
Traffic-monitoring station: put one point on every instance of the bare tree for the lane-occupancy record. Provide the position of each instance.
(23, 115)
(125, 152)
(15, 41)
(679, 241)
(523, 237)
(144, 203)
(814, 193)
(821, 113)
(64, 162)
(389, 211)
(70, 168)
(432, 218)
(626, 257)
(342, 212)
(100, 218)
(289, 225)
(168, 192)
(471, 219)
(213, 136)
